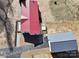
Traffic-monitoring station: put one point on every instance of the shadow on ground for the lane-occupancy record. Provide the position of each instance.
(72, 54)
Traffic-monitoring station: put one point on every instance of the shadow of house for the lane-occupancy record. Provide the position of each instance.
(35, 39)
(22, 2)
(40, 17)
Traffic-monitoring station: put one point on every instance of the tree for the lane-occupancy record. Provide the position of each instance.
(4, 6)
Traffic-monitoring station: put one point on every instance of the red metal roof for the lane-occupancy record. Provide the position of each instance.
(24, 18)
(31, 23)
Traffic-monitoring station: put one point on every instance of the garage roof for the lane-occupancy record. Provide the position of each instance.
(61, 36)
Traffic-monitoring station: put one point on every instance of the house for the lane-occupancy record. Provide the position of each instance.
(30, 23)
(30, 18)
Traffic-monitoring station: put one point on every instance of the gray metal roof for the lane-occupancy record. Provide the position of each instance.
(61, 36)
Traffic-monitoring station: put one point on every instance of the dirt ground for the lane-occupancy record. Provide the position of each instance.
(49, 19)
(62, 25)
(39, 53)
(70, 24)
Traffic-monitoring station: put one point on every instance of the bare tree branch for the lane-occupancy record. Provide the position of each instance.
(4, 5)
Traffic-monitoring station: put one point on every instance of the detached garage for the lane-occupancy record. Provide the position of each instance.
(62, 42)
